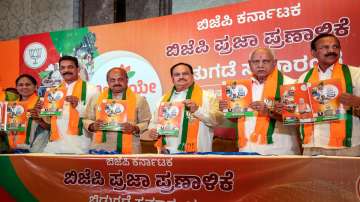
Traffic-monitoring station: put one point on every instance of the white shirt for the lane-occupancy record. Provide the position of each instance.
(284, 137)
(322, 131)
(71, 143)
(325, 127)
(209, 116)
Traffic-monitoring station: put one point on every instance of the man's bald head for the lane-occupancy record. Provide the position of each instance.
(116, 69)
(117, 80)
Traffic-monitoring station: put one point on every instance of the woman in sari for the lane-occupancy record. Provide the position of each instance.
(35, 136)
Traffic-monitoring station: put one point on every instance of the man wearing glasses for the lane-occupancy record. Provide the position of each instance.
(264, 133)
(201, 114)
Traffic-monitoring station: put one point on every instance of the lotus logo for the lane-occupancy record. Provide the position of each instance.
(35, 55)
(324, 93)
(114, 108)
(170, 112)
(55, 96)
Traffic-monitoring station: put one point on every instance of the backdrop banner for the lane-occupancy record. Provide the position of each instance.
(216, 41)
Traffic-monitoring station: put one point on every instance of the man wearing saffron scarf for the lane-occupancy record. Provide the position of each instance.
(264, 133)
(67, 135)
(201, 114)
(336, 138)
(126, 141)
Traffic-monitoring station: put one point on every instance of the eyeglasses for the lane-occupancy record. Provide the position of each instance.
(184, 74)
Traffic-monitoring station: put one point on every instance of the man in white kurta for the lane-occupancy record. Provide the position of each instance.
(262, 62)
(326, 48)
(207, 113)
(70, 143)
(285, 140)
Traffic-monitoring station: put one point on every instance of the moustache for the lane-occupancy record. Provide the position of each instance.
(117, 86)
(260, 70)
(182, 80)
(67, 73)
(331, 54)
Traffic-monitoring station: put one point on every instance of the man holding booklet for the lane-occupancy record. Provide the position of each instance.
(339, 137)
(64, 106)
(185, 115)
(117, 116)
(258, 108)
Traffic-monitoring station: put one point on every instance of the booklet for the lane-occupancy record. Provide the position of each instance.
(16, 116)
(297, 107)
(3, 116)
(170, 116)
(53, 102)
(113, 113)
(239, 95)
(324, 97)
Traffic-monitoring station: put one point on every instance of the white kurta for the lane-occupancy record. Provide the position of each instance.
(284, 137)
(209, 116)
(321, 134)
(71, 143)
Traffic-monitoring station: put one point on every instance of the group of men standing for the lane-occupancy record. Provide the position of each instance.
(78, 131)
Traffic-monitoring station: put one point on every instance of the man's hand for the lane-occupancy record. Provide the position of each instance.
(349, 100)
(276, 113)
(260, 107)
(96, 126)
(223, 104)
(278, 107)
(72, 100)
(129, 128)
(356, 111)
(153, 134)
(190, 105)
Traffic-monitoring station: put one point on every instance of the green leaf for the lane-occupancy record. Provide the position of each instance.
(130, 74)
(44, 74)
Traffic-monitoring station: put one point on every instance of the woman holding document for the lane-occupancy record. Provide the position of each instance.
(27, 132)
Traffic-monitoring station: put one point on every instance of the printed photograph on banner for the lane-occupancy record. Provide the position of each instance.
(16, 116)
(53, 102)
(297, 107)
(324, 97)
(3, 116)
(170, 116)
(239, 95)
(113, 113)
